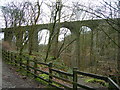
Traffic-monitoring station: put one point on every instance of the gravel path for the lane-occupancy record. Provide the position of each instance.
(11, 79)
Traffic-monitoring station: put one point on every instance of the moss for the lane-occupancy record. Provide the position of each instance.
(93, 80)
(41, 81)
(57, 85)
(17, 70)
(44, 76)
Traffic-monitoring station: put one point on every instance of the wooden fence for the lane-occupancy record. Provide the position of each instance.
(25, 63)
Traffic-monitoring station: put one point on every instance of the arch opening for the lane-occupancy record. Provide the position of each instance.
(64, 33)
(65, 45)
(85, 29)
(86, 46)
(43, 37)
(25, 37)
(2, 36)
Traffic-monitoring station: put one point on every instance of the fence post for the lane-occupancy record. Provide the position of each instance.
(8, 56)
(20, 58)
(35, 67)
(3, 54)
(50, 73)
(27, 66)
(15, 60)
(74, 78)
(11, 57)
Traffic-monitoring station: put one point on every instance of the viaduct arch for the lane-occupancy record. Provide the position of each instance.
(73, 26)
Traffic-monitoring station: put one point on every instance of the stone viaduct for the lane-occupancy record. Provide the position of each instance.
(73, 26)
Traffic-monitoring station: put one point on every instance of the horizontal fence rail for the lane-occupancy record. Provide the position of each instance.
(93, 75)
(62, 72)
(32, 67)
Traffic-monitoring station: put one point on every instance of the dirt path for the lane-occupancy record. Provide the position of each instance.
(0, 73)
(11, 79)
